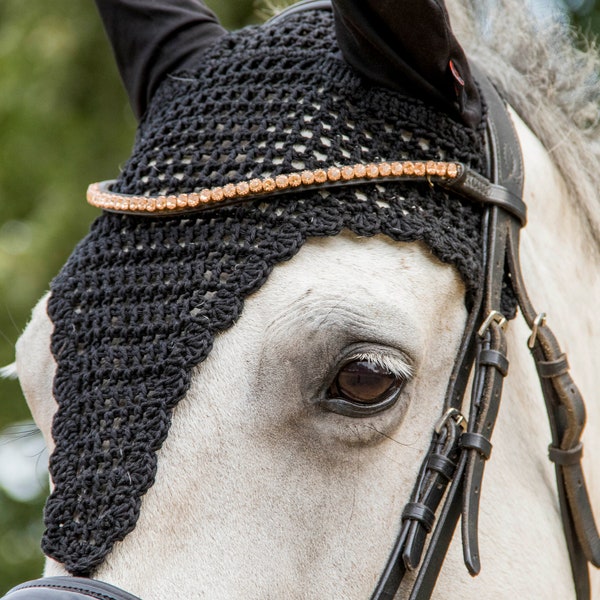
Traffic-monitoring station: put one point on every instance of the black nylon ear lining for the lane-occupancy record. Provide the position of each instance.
(409, 47)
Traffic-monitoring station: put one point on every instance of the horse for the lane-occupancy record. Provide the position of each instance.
(260, 492)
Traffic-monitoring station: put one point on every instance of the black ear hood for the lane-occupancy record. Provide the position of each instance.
(138, 304)
(409, 46)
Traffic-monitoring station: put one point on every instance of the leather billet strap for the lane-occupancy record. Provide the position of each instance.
(67, 588)
(566, 414)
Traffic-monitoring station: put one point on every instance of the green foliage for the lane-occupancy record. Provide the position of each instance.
(20, 532)
(64, 122)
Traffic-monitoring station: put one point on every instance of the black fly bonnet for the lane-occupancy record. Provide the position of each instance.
(270, 137)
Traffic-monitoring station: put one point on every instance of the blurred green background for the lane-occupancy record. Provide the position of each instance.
(64, 122)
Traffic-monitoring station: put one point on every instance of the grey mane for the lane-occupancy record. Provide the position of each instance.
(552, 84)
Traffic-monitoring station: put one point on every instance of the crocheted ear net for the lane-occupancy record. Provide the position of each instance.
(141, 299)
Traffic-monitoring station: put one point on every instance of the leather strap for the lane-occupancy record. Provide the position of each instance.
(67, 588)
(566, 415)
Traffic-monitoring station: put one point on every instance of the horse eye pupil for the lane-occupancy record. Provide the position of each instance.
(363, 381)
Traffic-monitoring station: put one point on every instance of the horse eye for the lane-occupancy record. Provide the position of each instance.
(362, 388)
(364, 382)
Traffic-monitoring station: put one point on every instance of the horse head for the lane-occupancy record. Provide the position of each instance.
(265, 339)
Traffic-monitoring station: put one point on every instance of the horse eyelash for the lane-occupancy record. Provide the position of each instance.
(394, 364)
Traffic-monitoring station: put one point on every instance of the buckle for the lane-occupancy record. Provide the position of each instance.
(493, 317)
(451, 413)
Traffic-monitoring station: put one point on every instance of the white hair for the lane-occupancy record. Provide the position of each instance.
(9, 371)
(550, 77)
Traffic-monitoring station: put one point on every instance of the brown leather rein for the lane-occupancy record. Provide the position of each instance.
(450, 478)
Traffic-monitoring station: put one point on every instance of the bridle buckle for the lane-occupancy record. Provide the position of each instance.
(451, 413)
(494, 317)
(538, 322)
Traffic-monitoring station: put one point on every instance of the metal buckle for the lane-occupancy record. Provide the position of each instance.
(451, 413)
(540, 320)
(493, 317)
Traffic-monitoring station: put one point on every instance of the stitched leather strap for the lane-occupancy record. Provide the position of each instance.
(67, 588)
(566, 415)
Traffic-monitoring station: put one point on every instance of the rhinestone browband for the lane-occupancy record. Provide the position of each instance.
(101, 196)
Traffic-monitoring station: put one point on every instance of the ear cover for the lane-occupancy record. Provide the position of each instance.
(408, 46)
(151, 39)
(141, 300)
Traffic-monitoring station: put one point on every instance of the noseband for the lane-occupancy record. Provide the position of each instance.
(450, 478)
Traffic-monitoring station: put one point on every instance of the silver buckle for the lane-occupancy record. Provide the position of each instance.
(540, 320)
(451, 413)
(493, 317)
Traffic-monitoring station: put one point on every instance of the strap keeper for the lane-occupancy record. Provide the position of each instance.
(565, 457)
(417, 511)
(442, 465)
(476, 441)
(553, 368)
(493, 358)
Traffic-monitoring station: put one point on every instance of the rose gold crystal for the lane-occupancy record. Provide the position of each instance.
(397, 169)
(334, 174)
(281, 181)
(229, 191)
(242, 188)
(360, 171)
(216, 194)
(372, 170)
(308, 177)
(347, 173)
(420, 169)
(295, 179)
(385, 169)
(256, 186)
(268, 184)
(452, 170)
(320, 176)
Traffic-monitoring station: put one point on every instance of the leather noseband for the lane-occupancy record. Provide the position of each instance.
(68, 588)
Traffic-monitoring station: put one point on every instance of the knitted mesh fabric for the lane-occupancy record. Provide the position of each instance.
(140, 301)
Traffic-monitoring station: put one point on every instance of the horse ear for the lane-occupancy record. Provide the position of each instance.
(152, 38)
(408, 46)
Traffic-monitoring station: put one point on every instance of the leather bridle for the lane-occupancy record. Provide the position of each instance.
(460, 446)
(450, 478)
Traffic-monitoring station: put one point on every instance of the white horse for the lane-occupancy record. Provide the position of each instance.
(259, 496)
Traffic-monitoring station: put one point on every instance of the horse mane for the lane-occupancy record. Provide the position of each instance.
(550, 77)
